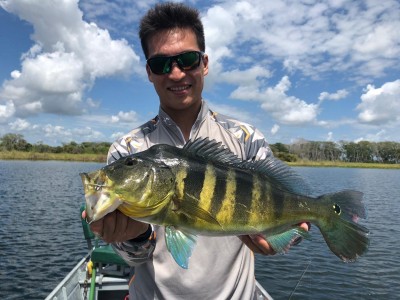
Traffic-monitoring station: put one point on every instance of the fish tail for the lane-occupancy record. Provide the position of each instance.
(344, 236)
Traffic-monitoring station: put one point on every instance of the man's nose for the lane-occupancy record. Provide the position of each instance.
(176, 72)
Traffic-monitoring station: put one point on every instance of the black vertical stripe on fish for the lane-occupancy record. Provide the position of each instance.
(244, 188)
(195, 179)
(277, 197)
(220, 190)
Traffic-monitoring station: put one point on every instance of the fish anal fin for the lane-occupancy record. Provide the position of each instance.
(281, 242)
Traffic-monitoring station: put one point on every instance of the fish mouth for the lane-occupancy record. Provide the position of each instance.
(97, 183)
(97, 196)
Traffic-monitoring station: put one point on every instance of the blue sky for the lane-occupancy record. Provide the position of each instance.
(314, 70)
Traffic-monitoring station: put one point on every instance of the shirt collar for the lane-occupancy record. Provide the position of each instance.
(167, 120)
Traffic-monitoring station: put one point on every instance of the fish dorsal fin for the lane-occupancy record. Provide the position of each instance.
(211, 150)
(277, 172)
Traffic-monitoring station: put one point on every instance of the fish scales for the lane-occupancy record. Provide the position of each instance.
(228, 195)
(234, 203)
(205, 189)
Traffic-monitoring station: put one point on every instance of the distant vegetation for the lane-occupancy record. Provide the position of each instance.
(361, 152)
(14, 146)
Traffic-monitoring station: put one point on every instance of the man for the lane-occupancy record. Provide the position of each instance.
(172, 39)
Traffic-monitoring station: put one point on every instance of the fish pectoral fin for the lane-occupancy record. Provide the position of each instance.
(282, 242)
(192, 210)
(180, 244)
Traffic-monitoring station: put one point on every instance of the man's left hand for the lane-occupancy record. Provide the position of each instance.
(258, 244)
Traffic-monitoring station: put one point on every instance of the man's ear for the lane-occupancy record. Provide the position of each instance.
(149, 73)
(205, 64)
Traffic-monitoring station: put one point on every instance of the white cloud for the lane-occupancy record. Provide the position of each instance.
(275, 129)
(310, 37)
(56, 134)
(67, 56)
(56, 131)
(316, 39)
(379, 136)
(284, 108)
(380, 105)
(244, 77)
(340, 94)
(19, 125)
(6, 111)
(92, 103)
(125, 117)
(329, 138)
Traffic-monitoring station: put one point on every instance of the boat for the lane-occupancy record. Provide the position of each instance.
(103, 275)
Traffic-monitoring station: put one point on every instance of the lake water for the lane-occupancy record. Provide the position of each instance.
(41, 237)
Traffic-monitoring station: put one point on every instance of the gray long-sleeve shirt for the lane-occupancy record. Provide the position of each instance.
(220, 267)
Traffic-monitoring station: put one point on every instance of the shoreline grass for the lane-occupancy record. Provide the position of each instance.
(20, 155)
(342, 164)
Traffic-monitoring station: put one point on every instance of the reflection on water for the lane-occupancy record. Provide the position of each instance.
(41, 238)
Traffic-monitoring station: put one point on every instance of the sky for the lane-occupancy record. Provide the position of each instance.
(315, 70)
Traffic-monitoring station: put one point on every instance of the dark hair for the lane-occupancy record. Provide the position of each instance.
(167, 16)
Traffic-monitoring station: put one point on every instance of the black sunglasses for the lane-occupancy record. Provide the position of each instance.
(186, 61)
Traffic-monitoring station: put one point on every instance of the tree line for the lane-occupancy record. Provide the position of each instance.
(360, 152)
(16, 142)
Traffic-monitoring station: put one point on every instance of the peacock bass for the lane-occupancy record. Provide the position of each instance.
(204, 189)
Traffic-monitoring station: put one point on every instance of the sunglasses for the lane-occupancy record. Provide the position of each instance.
(186, 61)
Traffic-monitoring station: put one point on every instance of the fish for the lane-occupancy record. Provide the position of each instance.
(205, 189)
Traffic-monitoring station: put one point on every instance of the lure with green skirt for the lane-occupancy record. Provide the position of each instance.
(204, 189)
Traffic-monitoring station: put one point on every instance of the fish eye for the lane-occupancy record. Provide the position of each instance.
(337, 209)
(130, 161)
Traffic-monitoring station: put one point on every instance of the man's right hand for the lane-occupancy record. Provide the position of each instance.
(117, 227)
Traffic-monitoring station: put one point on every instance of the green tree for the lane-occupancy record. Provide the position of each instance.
(388, 152)
(12, 141)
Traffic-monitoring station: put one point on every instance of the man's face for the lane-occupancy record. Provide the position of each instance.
(178, 90)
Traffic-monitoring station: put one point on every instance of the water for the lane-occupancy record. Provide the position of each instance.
(376, 275)
(41, 237)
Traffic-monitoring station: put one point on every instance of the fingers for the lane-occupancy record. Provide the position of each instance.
(306, 226)
(117, 227)
(110, 234)
(257, 244)
(97, 227)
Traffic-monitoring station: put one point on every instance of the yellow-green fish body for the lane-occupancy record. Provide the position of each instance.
(204, 189)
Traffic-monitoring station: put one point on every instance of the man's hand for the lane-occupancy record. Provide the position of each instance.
(258, 244)
(117, 227)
